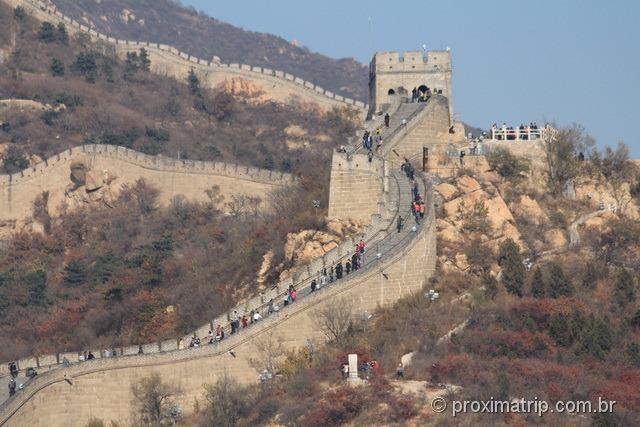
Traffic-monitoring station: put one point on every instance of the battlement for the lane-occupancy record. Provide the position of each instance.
(167, 60)
(411, 60)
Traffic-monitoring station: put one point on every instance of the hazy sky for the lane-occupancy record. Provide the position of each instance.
(514, 61)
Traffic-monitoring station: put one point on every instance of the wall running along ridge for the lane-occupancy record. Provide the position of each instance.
(170, 176)
(167, 60)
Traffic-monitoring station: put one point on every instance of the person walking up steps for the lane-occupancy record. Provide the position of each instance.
(399, 224)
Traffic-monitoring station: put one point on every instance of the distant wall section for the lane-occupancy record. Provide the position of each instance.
(171, 177)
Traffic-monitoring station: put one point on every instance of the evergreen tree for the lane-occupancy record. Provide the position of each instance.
(145, 62)
(74, 273)
(57, 67)
(560, 330)
(194, 82)
(63, 36)
(513, 271)
(633, 354)
(594, 338)
(559, 284)
(624, 291)
(130, 65)
(19, 13)
(537, 284)
(86, 65)
(47, 32)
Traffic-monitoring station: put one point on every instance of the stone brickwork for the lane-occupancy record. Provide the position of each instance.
(167, 60)
(171, 177)
(393, 73)
(357, 187)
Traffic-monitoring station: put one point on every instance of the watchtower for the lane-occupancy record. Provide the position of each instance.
(392, 73)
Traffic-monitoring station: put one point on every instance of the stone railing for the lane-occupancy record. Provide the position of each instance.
(159, 163)
(188, 61)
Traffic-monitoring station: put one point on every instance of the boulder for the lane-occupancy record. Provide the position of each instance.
(555, 238)
(461, 261)
(447, 191)
(78, 173)
(467, 184)
(498, 212)
(529, 209)
(335, 227)
(93, 180)
(447, 232)
(451, 207)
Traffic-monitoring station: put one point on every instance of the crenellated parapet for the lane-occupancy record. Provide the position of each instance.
(168, 60)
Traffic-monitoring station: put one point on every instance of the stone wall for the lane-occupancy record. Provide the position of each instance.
(101, 388)
(357, 186)
(172, 177)
(167, 60)
(430, 128)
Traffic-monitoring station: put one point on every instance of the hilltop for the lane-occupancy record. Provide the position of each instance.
(166, 21)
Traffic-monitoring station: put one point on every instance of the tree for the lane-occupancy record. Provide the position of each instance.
(47, 32)
(478, 256)
(475, 218)
(594, 338)
(36, 280)
(559, 284)
(226, 403)
(56, 68)
(537, 284)
(268, 352)
(86, 65)
(335, 318)
(194, 82)
(513, 271)
(19, 13)
(63, 36)
(507, 164)
(624, 291)
(560, 330)
(145, 62)
(153, 401)
(562, 148)
(74, 273)
(490, 285)
(14, 160)
(633, 354)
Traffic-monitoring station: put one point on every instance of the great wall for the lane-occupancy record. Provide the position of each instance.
(172, 177)
(167, 60)
(397, 264)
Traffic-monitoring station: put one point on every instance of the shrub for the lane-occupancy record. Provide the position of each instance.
(14, 160)
(559, 284)
(56, 68)
(513, 271)
(507, 164)
(47, 32)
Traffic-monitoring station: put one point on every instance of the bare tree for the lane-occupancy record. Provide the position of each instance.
(335, 318)
(154, 401)
(226, 403)
(268, 350)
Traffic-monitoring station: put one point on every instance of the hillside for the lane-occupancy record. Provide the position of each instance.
(166, 21)
(126, 268)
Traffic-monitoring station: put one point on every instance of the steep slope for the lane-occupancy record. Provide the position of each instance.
(165, 21)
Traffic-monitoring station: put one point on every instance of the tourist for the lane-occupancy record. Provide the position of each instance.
(140, 350)
(378, 145)
(293, 294)
(210, 337)
(271, 308)
(256, 316)
(314, 285)
(90, 356)
(360, 247)
(12, 386)
(387, 119)
(339, 271)
(422, 209)
(331, 274)
(400, 371)
(323, 277)
(399, 224)
(354, 262)
(370, 155)
(414, 94)
(245, 321)
(235, 322)
(347, 266)
(345, 371)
